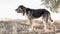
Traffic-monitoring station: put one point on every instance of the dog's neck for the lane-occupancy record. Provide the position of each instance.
(27, 10)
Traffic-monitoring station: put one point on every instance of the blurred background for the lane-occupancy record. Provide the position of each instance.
(7, 8)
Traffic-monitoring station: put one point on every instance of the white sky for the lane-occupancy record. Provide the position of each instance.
(7, 8)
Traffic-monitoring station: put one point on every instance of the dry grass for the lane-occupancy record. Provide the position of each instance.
(18, 26)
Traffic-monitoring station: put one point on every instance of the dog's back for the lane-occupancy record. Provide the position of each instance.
(38, 12)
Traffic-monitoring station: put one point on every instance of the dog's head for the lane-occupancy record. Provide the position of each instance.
(21, 9)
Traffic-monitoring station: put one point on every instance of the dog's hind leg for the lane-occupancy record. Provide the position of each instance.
(52, 23)
(45, 21)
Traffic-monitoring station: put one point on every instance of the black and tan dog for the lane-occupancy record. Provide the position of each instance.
(35, 13)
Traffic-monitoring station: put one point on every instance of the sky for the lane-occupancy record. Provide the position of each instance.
(7, 8)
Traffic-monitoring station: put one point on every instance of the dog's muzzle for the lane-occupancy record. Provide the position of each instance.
(17, 10)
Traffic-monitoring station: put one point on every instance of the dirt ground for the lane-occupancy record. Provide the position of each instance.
(22, 27)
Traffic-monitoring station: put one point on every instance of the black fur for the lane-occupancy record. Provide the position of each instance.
(38, 12)
(35, 13)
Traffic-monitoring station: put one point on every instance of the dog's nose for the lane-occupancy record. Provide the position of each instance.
(16, 9)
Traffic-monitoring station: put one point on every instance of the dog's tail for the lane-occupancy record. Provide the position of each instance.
(50, 18)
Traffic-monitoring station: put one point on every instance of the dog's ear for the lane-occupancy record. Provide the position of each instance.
(24, 11)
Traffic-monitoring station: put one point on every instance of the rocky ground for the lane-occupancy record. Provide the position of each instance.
(22, 27)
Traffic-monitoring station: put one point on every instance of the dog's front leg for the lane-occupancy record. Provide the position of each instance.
(31, 26)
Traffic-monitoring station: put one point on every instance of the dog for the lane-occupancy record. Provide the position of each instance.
(35, 13)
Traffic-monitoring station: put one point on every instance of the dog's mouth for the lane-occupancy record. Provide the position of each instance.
(18, 11)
